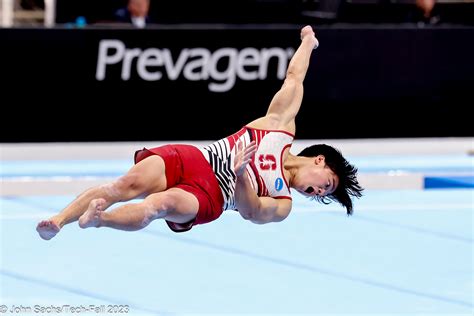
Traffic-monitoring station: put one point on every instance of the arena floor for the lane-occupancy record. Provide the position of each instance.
(407, 250)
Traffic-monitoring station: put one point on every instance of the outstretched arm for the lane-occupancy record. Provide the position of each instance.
(259, 210)
(287, 101)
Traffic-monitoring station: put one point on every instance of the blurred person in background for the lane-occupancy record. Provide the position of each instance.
(32, 4)
(136, 12)
(322, 11)
(424, 13)
(425, 6)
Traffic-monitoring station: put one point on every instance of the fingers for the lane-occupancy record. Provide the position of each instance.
(243, 156)
(250, 147)
(250, 150)
(246, 152)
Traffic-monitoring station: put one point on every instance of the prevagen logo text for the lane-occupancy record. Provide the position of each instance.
(194, 64)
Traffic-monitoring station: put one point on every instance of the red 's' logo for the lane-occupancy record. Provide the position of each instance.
(267, 162)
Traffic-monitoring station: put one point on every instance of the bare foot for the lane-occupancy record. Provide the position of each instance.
(308, 31)
(91, 218)
(47, 229)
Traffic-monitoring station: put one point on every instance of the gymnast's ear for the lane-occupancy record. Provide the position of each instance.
(319, 159)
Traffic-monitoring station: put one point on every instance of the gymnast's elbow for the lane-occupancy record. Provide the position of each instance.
(248, 215)
(261, 218)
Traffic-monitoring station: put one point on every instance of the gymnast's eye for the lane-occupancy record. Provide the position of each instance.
(309, 190)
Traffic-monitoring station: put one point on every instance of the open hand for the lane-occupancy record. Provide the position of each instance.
(243, 156)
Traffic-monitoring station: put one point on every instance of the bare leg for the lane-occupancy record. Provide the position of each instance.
(91, 216)
(47, 229)
(144, 178)
(128, 217)
(173, 204)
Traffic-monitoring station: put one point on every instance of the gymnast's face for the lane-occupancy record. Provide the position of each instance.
(316, 178)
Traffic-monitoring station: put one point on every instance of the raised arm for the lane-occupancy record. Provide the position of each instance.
(287, 101)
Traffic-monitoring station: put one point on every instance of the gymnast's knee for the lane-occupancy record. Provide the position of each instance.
(161, 204)
(125, 187)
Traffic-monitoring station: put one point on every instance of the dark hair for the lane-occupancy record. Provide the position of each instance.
(348, 185)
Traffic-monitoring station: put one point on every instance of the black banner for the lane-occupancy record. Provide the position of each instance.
(192, 83)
